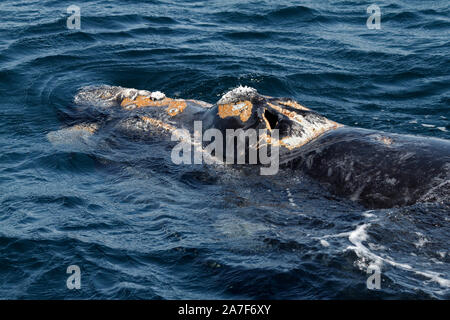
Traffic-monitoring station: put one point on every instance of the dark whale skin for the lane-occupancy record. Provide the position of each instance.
(377, 169)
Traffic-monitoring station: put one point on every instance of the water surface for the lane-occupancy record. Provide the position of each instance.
(141, 227)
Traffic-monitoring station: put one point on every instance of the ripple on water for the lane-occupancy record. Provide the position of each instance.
(141, 227)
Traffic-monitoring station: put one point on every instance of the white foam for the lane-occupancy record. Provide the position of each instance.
(375, 246)
(359, 235)
(368, 214)
(422, 240)
(290, 198)
(324, 243)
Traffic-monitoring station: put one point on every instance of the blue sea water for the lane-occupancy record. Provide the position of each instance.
(140, 226)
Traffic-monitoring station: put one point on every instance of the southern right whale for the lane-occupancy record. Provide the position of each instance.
(377, 169)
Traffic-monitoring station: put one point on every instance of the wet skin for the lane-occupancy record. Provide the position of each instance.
(376, 169)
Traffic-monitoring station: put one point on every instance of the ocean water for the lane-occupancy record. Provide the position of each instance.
(141, 227)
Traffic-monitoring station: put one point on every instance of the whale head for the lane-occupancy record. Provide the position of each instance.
(285, 123)
(244, 108)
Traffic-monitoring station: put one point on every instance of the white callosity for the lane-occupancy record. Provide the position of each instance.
(144, 93)
(157, 95)
(238, 94)
(312, 128)
(133, 93)
(107, 96)
(102, 96)
(129, 93)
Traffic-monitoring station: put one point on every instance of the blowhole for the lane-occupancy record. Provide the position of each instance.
(271, 118)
